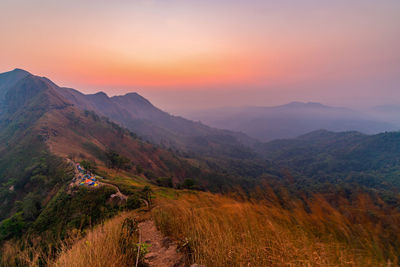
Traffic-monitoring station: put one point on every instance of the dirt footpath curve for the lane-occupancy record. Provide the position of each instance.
(162, 250)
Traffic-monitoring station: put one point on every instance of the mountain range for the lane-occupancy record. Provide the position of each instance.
(133, 148)
(40, 121)
(41, 124)
(140, 116)
(292, 120)
(39, 128)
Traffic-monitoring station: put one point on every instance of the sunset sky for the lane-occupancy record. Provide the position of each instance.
(186, 54)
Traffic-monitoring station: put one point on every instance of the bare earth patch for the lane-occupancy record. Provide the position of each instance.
(162, 250)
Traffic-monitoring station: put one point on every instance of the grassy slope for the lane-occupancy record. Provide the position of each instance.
(218, 230)
(100, 247)
(84, 134)
(26, 166)
(38, 130)
(323, 161)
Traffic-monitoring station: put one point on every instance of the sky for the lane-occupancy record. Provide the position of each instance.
(186, 55)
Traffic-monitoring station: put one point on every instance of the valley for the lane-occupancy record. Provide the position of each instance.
(82, 176)
(155, 133)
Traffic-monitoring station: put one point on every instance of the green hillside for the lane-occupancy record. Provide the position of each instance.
(347, 159)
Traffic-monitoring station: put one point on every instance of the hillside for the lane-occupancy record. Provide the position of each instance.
(291, 120)
(39, 129)
(312, 200)
(27, 170)
(59, 121)
(216, 230)
(348, 158)
(140, 116)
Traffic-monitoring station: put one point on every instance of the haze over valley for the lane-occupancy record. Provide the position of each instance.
(199, 133)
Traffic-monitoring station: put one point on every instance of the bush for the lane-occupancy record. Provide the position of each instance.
(189, 183)
(150, 174)
(139, 169)
(31, 207)
(12, 226)
(165, 181)
(133, 202)
(89, 165)
(82, 209)
(117, 161)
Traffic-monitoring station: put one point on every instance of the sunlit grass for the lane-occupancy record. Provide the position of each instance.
(100, 247)
(220, 231)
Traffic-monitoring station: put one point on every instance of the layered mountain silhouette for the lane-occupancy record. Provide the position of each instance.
(41, 124)
(37, 117)
(292, 120)
(390, 113)
(140, 116)
(324, 158)
(39, 127)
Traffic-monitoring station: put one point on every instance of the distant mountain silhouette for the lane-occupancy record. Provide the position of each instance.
(41, 124)
(389, 113)
(291, 120)
(34, 108)
(39, 127)
(131, 111)
(140, 116)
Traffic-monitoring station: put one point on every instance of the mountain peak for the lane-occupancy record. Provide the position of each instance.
(9, 79)
(133, 98)
(14, 74)
(100, 94)
(133, 94)
(18, 70)
(298, 104)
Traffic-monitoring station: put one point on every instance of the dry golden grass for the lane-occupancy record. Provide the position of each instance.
(100, 247)
(224, 232)
(12, 255)
(217, 230)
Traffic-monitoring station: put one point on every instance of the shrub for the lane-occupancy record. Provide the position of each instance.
(89, 165)
(189, 183)
(133, 202)
(117, 161)
(139, 169)
(12, 226)
(165, 181)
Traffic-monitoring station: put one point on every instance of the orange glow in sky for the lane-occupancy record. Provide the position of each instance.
(175, 45)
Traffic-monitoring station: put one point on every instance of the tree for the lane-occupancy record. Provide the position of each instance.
(189, 183)
(90, 166)
(165, 181)
(116, 161)
(31, 207)
(139, 169)
(12, 226)
(133, 202)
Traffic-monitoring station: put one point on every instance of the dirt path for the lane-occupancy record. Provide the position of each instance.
(162, 250)
(118, 194)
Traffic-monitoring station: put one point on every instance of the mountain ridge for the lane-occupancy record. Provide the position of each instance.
(292, 120)
(41, 128)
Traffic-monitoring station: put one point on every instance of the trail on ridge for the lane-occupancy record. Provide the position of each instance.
(162, 250)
